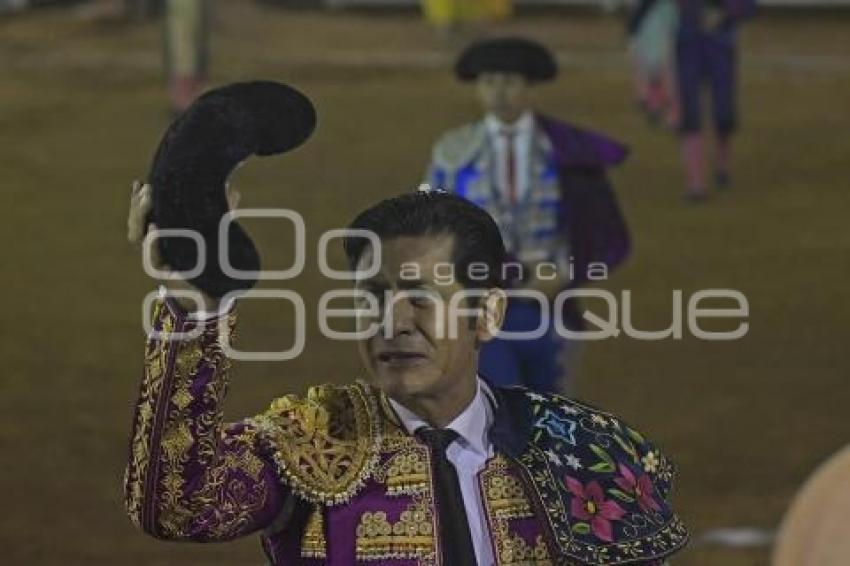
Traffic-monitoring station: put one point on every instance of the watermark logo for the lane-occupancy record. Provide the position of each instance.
(374, 312)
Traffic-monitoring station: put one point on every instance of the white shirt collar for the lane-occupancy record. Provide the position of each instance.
(523, 125)
(472, 425)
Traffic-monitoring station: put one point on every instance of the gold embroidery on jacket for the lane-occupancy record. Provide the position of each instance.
(514, 550)
(177, 442)
(226, 501)
(506, 501)
(137, 468)
(411, 537)
(504, 492)
(220, 502)
(507, 498)
(406, 472)
(325, 445)
(313, 543)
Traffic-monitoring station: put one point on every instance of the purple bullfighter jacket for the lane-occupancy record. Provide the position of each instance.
(332, 478)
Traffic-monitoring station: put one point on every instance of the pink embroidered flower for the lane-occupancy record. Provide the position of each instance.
(640, 488)
(589, 504)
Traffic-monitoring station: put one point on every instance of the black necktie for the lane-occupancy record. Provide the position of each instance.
(455, 540)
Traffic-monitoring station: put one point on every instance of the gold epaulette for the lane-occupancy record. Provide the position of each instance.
(325, 445)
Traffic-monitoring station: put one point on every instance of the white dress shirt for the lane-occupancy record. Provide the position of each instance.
(468, 454)
(521, 133)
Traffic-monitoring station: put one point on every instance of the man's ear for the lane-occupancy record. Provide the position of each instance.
(494, 305)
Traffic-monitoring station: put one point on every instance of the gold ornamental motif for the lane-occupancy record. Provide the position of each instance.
(505, 496)
(138, 466)
(410, 537)
(325, 445)
(229, 490)
(407, 472)
(514, 550)
(313, 543)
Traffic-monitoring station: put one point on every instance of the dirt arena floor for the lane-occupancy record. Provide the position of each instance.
(82, 107)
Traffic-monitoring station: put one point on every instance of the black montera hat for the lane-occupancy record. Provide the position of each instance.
(507, 55)
(197, 154)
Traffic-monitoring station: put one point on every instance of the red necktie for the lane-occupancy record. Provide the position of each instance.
(510, 162)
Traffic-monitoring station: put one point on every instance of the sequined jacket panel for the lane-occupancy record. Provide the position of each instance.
(331, 478)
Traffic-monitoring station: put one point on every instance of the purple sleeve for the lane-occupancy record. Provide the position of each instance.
(190, 476)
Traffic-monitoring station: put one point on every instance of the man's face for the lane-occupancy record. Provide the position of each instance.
(503, 94)
(418, 357)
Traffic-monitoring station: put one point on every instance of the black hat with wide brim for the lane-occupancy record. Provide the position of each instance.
(507, 55)
(196, 156)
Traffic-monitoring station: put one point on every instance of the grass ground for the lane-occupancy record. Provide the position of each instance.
(83, 107)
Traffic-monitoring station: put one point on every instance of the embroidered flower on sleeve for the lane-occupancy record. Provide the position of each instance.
(573, 462)
(569, 409)
(589, 504)
(638, 487)
(599, 419)
(650, 462)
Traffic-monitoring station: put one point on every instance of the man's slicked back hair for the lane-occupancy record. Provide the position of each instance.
(476, 236)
